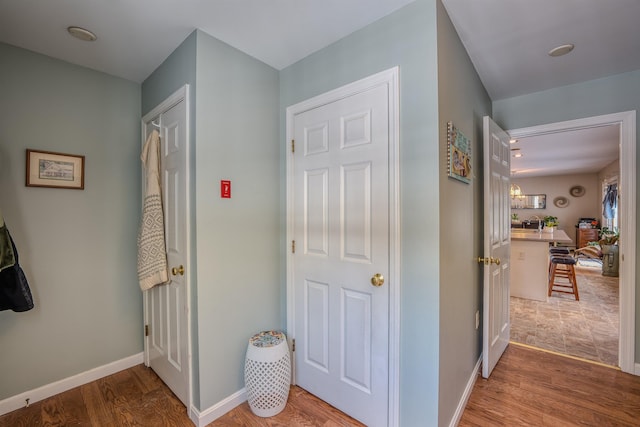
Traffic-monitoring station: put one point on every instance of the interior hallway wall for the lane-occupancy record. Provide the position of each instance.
(464, 101)
(77, 247)
(406, 38)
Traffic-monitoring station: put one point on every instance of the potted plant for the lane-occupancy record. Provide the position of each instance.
(609, 248)
(550, 222)
(608, 237)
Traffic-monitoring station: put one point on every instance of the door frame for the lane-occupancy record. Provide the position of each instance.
(627, 297)
(390, 79)
(182, 94)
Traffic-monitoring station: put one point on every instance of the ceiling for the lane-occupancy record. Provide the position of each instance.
(566, 153)
(507, 40)
(136, 36)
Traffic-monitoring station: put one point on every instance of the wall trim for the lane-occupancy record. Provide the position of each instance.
(37, 394)
(467, 394)
(201, 419)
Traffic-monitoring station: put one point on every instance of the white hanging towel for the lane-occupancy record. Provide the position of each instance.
(152, 254)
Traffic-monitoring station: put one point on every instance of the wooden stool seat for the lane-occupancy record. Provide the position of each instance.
(562, 276)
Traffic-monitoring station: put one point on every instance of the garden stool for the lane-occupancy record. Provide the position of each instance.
(267, 373)
(563, 267)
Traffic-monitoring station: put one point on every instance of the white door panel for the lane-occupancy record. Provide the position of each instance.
(167, 303)
(341, 224)
(497, 229)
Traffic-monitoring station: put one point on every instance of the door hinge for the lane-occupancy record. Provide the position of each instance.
(293, 246)
(293, 145)
(293, 344)
(146, 330)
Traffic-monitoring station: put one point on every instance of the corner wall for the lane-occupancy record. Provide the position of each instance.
(238, 252)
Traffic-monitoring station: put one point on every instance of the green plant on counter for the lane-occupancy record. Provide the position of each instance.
(550, 221)
(608, 237)
(514, 217)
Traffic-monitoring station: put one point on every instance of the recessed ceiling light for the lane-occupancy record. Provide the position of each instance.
(517, 155)
(513, 141)
(82, 34)
(561, 50)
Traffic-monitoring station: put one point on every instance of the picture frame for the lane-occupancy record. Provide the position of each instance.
(458, 154)
(54, 170)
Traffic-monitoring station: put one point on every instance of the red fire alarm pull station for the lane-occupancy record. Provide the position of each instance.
(225, 189)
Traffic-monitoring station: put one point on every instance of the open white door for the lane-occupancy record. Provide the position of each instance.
(497, 245)
(167, 339)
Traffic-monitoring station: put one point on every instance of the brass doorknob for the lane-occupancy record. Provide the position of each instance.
(377, 279)
(177, 270)
(490, 260)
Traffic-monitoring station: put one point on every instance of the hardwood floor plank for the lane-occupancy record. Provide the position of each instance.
(74, 408)
(532, 387)
(527, 388)
(98, 410)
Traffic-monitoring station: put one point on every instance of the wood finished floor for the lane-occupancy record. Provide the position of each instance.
(527, 388)
(137, 397)
(533, 388)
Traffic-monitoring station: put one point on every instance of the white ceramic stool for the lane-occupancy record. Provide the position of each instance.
(267, 373)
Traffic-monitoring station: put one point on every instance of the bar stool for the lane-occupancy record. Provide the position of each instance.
(557, 250)
(563, 267)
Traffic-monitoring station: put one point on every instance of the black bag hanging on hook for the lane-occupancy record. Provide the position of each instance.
(14, 290)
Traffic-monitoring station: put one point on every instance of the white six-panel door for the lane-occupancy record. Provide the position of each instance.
(497, 245)
(341, 228)
(167, 304)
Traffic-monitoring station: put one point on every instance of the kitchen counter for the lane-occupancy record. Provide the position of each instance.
(530, 262)
(557, 236)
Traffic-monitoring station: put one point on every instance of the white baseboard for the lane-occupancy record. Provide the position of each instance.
(637, 369)
(465, 396)
(201, 419)
(19, 401)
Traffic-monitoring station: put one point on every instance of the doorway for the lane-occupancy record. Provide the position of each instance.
(343, 266)
(167, 326)
(627, 142)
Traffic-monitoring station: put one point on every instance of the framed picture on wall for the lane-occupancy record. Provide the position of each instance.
(458, 154)
(55, 170)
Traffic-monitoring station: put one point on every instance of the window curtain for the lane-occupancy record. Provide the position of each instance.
(610, 202)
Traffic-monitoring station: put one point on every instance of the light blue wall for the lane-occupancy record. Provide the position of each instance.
(407, 38)
(78, 248)
(612, 94)
(236, 248)
(463, 101)
(237, 239)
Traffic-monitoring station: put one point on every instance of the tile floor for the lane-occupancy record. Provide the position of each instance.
(588, 328)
